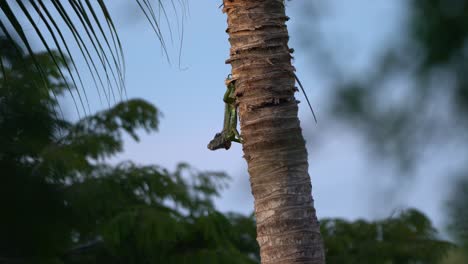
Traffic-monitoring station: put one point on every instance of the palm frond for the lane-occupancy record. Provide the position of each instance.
(89, 27)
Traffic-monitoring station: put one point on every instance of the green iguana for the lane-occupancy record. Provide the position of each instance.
(229, 133)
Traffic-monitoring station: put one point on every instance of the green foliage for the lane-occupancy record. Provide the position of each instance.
(407, 238)
(455, 256)
(27, 126)
(458, 212)
(438, 26)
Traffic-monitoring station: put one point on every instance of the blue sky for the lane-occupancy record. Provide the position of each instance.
(345, 183)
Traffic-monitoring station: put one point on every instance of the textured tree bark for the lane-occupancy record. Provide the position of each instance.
(287, 226)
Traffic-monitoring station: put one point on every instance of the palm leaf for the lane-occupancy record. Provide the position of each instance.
(57, 64)
(92, 31)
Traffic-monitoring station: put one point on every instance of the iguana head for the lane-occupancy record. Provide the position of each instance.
(219, 141)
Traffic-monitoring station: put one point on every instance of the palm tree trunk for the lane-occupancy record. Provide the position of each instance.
(287, 226)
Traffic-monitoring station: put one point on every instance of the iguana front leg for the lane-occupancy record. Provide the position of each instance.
(229, 132)
(234, 134)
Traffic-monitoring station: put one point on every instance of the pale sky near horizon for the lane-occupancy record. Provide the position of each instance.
(190, 97)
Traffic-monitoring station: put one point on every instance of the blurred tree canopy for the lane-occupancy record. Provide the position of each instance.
(458, 213)
(408, 237)
(431, 58)
(62, 203)
(411, 103)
